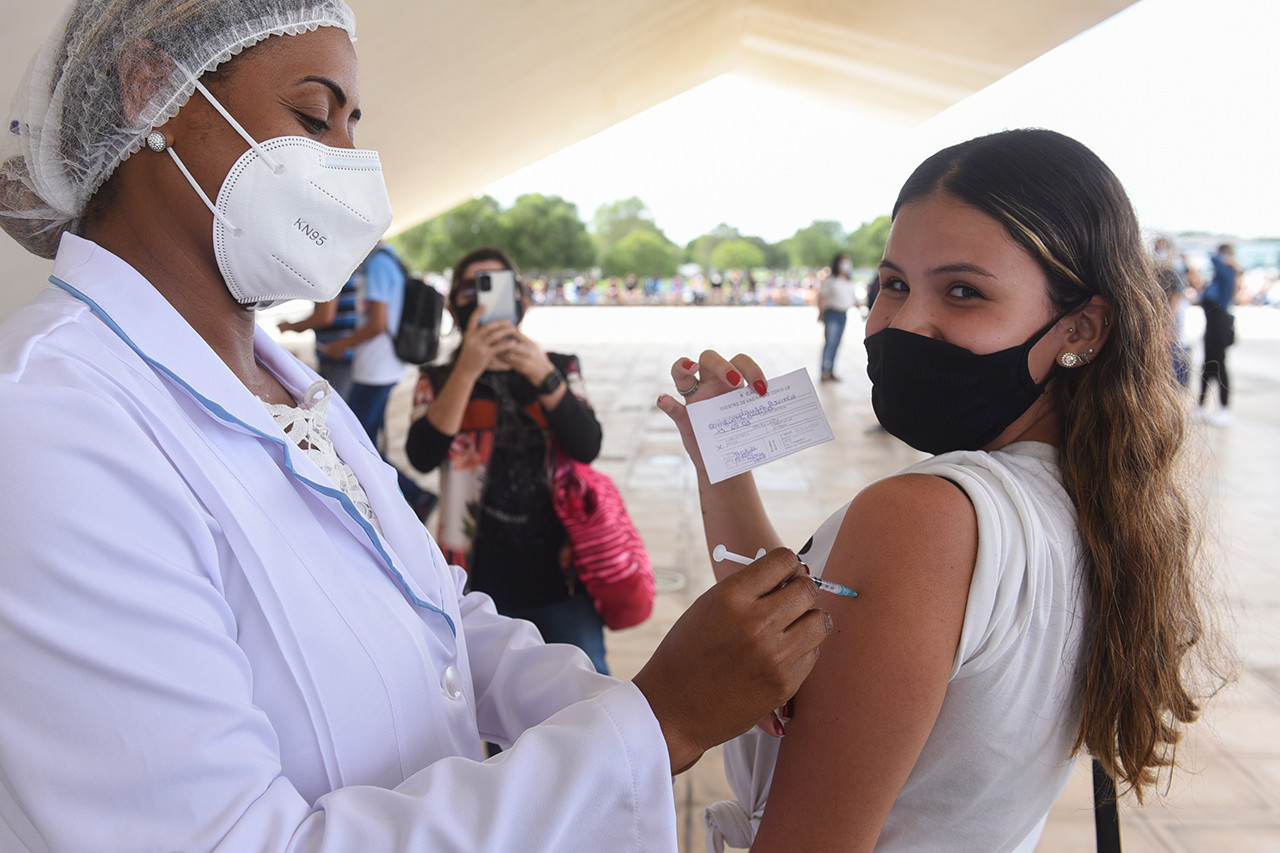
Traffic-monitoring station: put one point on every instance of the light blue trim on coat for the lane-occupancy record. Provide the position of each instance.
(287, 448)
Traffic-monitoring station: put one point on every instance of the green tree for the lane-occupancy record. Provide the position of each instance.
(737, 255)
(866, 245)
(614, 221)
(440, 241)
(700, 249)
(643, 253)
(544, 233)
(815, 245)
(775, 254)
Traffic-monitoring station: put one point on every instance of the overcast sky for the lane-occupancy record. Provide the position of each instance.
(1179, 97)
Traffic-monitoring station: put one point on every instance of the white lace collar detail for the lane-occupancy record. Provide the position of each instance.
(305, 426)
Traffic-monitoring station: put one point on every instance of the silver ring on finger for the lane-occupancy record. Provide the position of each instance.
(688, 392)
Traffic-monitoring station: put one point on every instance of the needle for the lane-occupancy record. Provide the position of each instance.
(721, 553)
(832, 586)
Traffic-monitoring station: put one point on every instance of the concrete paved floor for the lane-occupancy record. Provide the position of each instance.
(1229, 800)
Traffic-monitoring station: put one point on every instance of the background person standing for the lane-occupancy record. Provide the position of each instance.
(1175, 288)
(1219, 332)
(375, 368)
(836, 295)
(331, 320)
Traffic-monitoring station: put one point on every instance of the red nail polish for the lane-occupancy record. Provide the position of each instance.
(686, 364)
(760, 387)
(734, 378)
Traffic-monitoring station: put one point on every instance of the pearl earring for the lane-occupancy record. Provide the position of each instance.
(156, 141)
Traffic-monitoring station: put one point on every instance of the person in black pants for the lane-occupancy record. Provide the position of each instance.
(1219, 331)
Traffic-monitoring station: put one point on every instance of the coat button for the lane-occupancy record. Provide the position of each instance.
(451, 682)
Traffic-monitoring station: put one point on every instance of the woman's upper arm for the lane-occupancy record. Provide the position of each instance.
(908, 546)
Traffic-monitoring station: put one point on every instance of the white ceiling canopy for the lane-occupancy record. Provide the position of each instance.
(457, 95)
(474, 91)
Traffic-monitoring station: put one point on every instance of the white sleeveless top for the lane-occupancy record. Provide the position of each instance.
(999, 754)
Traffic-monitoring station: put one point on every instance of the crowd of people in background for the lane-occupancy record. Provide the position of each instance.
(1259, 282)
(731, 287)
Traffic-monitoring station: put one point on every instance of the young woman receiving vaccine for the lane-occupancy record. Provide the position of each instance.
(1027, 592)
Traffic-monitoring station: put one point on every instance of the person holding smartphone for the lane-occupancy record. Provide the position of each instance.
(495, 416)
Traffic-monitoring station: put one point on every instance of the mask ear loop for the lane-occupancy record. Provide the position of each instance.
(226, 223)
(276, 166)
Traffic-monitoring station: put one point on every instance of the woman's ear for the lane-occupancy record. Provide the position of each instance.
(144, 69)
(1088, 328)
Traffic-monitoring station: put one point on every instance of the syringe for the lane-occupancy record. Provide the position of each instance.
(721, 553)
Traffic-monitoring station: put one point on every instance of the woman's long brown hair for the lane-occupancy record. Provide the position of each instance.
(1124, 454)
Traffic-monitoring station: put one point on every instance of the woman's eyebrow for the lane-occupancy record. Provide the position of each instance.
(973, 269)
(945, 269)
(338, 95)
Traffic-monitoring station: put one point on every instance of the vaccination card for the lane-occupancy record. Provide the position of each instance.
(741, 430)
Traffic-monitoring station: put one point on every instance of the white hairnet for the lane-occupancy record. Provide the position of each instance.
(67, 127)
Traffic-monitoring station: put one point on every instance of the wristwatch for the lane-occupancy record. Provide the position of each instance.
(553, 381)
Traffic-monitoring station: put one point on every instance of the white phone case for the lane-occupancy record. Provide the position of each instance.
(499, 298)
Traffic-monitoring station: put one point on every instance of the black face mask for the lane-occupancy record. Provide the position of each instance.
(939, 397)
(462, 316)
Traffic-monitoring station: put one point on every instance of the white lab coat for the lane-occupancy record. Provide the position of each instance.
(204, 647)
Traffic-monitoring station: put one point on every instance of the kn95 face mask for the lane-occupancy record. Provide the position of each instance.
(294, 218)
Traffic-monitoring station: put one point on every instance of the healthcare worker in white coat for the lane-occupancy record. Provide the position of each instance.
(221, 627)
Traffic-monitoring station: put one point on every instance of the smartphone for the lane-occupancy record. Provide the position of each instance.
(496, 293)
